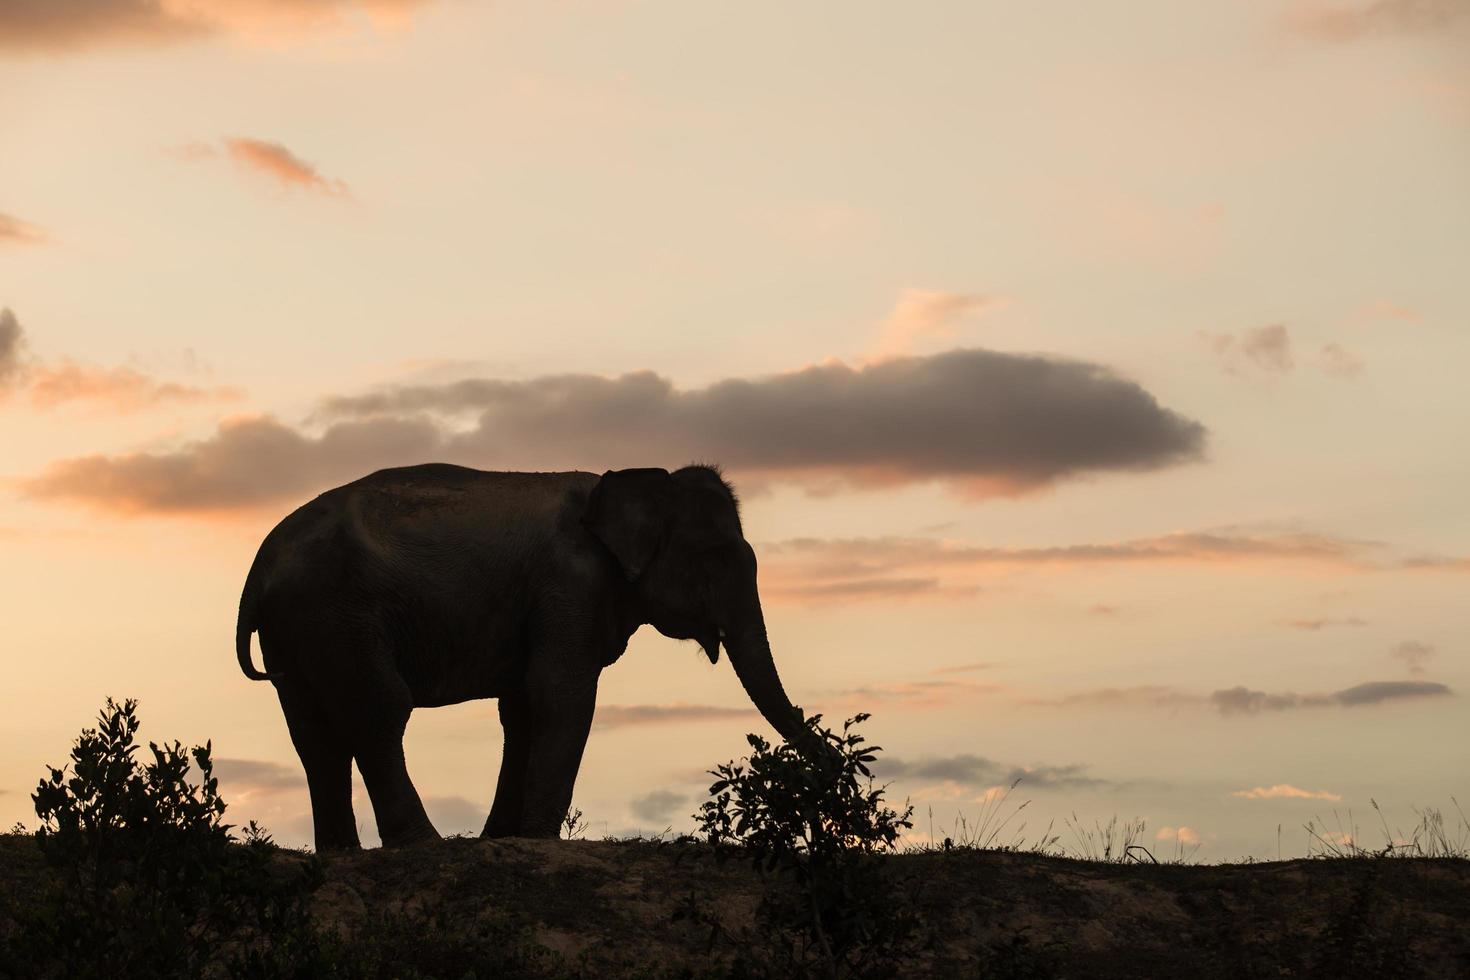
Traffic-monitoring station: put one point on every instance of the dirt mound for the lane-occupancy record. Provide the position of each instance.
(607, 909)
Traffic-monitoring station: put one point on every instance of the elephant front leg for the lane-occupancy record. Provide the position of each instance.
(561, 708)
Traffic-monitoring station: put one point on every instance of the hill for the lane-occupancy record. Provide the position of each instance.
(608, 909)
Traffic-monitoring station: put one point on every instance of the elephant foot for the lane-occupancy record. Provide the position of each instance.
(412, 838)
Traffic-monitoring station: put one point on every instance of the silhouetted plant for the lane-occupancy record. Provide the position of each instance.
(149, 881)
(809, 818)
(573, 825)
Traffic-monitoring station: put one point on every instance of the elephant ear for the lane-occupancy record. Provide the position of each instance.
(629, 511)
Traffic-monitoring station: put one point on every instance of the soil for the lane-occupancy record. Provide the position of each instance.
(607, 908)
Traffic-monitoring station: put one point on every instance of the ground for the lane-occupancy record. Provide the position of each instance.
(606, 909)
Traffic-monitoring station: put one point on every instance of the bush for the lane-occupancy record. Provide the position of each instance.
(811, 821)
(148, 879)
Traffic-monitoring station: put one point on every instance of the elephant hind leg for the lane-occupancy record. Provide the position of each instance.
(328, 763)
(510, 789)
(377, 718)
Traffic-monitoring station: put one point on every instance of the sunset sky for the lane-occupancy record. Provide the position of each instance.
(1093, 375)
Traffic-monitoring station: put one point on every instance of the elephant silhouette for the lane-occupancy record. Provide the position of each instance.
(436, 584)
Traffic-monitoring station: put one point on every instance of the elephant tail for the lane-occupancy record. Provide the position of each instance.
(244, 626)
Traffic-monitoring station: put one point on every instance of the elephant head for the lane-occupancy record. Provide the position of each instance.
(677, 538)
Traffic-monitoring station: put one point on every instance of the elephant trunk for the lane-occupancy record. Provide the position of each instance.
(750, 652)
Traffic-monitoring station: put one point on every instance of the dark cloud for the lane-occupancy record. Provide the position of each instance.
(926, 693)
(978, 772)
(624, 715)
(986, 423)
(11, 344)
(660, 806)
(1349, 22)
(1313, 625)
(1413, 653)
(963, 768)
(248, 461)
(1242, 700)
(1007, 421)
(1374, 692)
(456, 815)
(1337, 361)
(1436, 563)
(62, 25)
(14, 231)
(257, 776)
(1145, 695)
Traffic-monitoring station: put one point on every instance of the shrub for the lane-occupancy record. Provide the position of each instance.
(810, 820)
(148, 879)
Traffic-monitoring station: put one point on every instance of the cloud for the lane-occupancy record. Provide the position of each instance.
(14, 231)
(869, 588)
(275, 161)
(1242, 700)
(1144, 695)
(967, 770)
(66, 25)
(981, 422)
(839, 566)
(120, 388)
(1388, 310)
(1413, 654)
(965, 668)
(249, 461)
(1184, 835)
(1337, 362)
(626, 715)
(67, 382)
(1285, 791)
(1266, 350)
(1375, 692)
(1339, 21)
(1313, 625)
(455, 814)
(12, 342)
(911, 694)
(658, 806)
(246, 778)
(833, 569)
(922, 314)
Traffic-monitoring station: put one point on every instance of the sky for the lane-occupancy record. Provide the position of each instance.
(1092, 376)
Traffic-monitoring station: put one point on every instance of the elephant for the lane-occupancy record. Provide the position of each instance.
(436, 584)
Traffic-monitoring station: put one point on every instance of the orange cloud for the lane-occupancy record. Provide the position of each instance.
(66, 382)
(1351, 21)
(274, 160)
(1285, 791)
(14, 231)
(922, 314)
(625, 715)
(50, 25)
(837, 568)
(122, 389)
(1184, 835)
(1313, 625)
